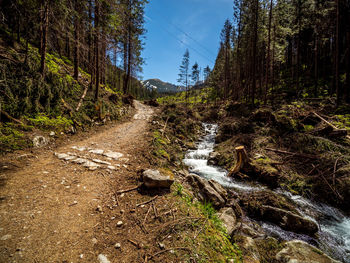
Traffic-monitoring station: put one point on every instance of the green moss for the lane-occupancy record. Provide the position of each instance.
(308, 128)
(12, 139)
(45, 123)
(207, 238)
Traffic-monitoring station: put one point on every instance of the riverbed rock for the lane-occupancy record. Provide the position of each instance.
(213, 158)
(208, 191)
(298, 251)
(289, 221)
(157, 178)
(228, 218)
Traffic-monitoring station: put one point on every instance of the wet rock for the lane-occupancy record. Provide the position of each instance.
(205, 191)
(289, 221)
(40, 141)
(157, 178)
(102, 259)
(228, 217)
(297, 251)
(213, 158)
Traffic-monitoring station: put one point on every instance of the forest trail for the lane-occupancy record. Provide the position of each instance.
(54, 210)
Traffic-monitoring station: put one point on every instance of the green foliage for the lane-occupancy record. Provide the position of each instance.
(11, 139)
(208, 239)
(44, 122)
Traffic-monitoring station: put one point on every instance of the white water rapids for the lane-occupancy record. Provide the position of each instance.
(334, 234)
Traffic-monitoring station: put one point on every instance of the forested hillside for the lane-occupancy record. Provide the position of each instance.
(285, 49)
(67, 63)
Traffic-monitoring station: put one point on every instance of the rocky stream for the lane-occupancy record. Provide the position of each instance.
(332, 234)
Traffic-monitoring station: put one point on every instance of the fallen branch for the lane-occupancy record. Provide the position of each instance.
(337, 130)
(168, 250)
(155, 210)
(82, 99)
(10, 117)
(147, 202)
(127, 190)
(166, 122)
(144, 220)
(134, 243)
(293, 153)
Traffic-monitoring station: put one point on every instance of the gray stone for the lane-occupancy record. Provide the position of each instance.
(101, 162)
(102, 259)
(289, 221)
(52, 133)
(158, 179)
(40, 141)
(96, 151)
(228, 217)
(120, 223)
(89, 164)
(205, 191)
(113, 155)
(298, 251)
(117, 245)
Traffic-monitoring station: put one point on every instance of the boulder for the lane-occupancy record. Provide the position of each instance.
(157, 178)
(40, 141)
(208, 190)
(228, 218)
(297, 251)
(213, 158)
(289, 221)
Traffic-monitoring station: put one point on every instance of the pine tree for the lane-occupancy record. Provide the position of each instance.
(184, 72)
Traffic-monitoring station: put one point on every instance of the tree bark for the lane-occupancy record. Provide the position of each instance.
(45, 26)
(268, 54)
(97, 51)
(337, 55)
(255, 41)
(76, 39)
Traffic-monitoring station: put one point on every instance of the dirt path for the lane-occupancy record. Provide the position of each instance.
(55, 210)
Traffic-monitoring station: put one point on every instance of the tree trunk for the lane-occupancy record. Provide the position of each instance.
(76, 39)
(97, 51)
(337, 55)
(347, 84)
(268, 54)
(45, 26)
(316, 65)
(255, 41)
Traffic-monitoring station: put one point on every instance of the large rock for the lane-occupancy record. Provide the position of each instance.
(228, 217)
(289, 221)
(213, 158)
(40, 141)
(158, 178)
(209, 191)
(297, 251)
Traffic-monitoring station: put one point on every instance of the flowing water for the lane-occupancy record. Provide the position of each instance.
(334, 234)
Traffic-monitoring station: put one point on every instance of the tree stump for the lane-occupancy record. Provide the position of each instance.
(241, 160)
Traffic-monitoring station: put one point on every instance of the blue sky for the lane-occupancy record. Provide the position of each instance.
(174, 25)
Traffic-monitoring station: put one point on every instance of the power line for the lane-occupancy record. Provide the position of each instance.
(182, 31)
(181, 41)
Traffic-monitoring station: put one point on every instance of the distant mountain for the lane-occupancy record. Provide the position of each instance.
(161, 86)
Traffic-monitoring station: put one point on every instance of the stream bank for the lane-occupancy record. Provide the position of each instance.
(328, 228)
